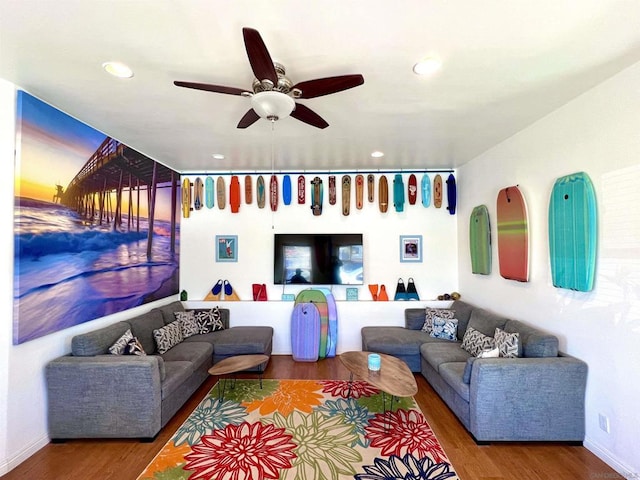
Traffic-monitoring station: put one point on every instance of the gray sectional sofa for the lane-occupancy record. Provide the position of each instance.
(537, 396)
(95, 394)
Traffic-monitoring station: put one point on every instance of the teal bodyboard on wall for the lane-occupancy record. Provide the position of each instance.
(573, 232)
(480, 240)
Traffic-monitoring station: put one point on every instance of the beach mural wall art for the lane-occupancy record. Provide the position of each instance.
(96, 226)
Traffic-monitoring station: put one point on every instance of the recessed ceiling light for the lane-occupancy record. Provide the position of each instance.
(377, 154)
(218, 156)
(427, 66)
(118, 69)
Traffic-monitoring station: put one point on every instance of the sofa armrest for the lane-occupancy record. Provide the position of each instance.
(105, 396)
(528, 399)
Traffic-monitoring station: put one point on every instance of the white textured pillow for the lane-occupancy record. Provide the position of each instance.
(168, 336)
(121, 344)
(507, 343)
(476, 342)
(495, 353)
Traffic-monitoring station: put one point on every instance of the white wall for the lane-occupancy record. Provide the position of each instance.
(23, 406)
(599, 133)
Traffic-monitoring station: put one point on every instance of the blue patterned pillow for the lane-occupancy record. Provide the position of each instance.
(446, 328)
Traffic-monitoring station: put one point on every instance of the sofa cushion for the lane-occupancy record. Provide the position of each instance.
(176, 374)
(463, 313)
(394, 340)
(507, 343)
(414, 318)
(98, 341)
(443, 352)
(452, 373)
(168, 336)
(485, 321)
(468, 367)
(534, 343)
(243, 341)
(143, 326)
(476, 342)
(445, 328)
(195, 352)
(169, 310)
(120, 345)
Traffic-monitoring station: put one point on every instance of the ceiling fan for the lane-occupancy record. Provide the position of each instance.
(272, 93)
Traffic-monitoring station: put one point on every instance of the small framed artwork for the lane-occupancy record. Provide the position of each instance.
(411, 248)
(226, 248)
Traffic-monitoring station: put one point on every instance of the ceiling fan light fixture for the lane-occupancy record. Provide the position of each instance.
(272, 105)
(427, 66)
(118, 69)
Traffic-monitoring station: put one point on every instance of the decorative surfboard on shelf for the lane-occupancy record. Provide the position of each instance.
(261, 193)
(234, 194)
(371, 182)
(573, 232)
(273, 193)
(346, 194)
(209, 195)
(186, 198)
(480, 240)
(513, 234)
(425, 184)
(398, 192)
(248, 190)
(437, 191)
(383, 194)
(221, 192)
(301, 190)
(198, 194)
(412, 189)
(451, 194)
(286, 189)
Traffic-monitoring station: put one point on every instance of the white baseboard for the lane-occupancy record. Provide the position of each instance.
(10, 463)
(607, 457)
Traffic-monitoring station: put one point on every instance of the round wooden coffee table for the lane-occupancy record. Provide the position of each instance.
(237, 364)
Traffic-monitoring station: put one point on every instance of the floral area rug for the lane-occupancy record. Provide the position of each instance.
(302, 430)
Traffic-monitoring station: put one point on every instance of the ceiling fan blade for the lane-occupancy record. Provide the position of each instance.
(211, 88)
(306, 115)
(249, 119)
(325, 86)
(259, 57)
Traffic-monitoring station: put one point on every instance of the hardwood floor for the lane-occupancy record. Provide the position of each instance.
(126, 459)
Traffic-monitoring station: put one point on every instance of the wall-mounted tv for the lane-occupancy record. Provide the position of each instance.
(318, 259)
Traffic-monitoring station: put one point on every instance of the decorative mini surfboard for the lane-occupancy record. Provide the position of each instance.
(234, 194)
(513, 234)
(316, 196)
(437, 191)
(573, 232)
(480, 240)
(426, 190)
(383, 194)
(260, 191)
(186, 198)
(370, 187)
(359, 191)
(301, 190)
(398, 192)
(198, 193)
(451, 194)
(273, 193)
(332, 190)
(286, 190)
(248, 190)
(412, 189)
(209, 196)
(221, 191)
(346, 194)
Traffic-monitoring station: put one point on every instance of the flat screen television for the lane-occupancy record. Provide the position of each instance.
(318, 259)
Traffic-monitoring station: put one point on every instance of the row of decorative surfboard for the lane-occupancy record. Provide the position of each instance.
(203, 192)
(572, 234)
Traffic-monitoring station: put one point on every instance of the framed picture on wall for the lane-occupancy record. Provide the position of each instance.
(226, 248)
(411, 248)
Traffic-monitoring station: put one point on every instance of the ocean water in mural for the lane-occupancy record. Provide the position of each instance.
(68, 271)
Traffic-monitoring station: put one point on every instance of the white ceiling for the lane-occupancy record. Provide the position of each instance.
(506, 63)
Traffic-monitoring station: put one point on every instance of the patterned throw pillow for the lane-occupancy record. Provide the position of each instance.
(134, 347)
(435, 312)
(187, 322)
(121, 344)
(476, 342)
(446, 328)
(168, 336)
(210, 321)
(507, 343)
